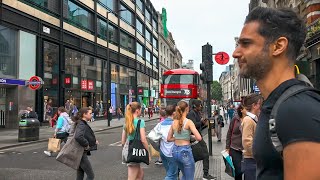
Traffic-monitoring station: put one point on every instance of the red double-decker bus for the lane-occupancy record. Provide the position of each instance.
(179, 84)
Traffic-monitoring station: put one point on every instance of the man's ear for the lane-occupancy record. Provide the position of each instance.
(280, 46)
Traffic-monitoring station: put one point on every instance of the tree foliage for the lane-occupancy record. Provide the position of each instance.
(216, 91)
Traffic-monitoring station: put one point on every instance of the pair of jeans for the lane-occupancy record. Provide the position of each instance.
(236, 159)
(171, 167)
(249, 168)
(184, 159)
(85, 167)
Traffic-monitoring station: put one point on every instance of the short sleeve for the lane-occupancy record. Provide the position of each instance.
(60, 123)
(298, 119)
(142, 124)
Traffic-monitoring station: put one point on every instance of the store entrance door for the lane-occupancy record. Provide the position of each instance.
(87, 99)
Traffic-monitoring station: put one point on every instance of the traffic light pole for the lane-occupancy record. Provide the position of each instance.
(209, 117)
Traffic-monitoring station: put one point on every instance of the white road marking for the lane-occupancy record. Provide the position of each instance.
(35, 152)
(1, 152)
(116, 144)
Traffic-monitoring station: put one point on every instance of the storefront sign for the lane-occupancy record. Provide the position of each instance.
(13, 82)
(35, 83)
(90, 85)
(145, 93)
(177, 92)
(84, 85)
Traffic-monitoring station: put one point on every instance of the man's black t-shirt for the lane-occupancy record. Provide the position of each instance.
(298, 119)
(196, 118)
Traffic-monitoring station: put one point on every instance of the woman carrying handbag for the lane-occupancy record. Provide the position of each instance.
(134, 132)
(86, 138)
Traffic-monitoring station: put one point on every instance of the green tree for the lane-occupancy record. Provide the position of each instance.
(216, 91)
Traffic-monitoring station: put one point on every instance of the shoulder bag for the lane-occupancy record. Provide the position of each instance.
(137, 153)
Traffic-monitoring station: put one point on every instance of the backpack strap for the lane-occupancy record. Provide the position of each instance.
(291, 91)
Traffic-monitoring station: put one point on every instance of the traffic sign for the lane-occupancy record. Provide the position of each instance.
(222, 58)
(35, 82)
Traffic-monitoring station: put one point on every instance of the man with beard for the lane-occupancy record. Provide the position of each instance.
(267, 49)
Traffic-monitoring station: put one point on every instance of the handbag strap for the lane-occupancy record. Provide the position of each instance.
(137, 134)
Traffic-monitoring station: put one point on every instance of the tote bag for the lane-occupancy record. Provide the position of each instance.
(71, 153)
(136, 151)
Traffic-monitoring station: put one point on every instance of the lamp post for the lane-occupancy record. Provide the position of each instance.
(109, 69)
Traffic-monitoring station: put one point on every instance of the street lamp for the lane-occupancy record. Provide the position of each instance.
(108, 55)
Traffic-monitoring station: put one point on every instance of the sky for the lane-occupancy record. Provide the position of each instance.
(193, 23)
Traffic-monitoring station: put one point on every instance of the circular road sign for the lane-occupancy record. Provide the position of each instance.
(35, 82)
(222, 58)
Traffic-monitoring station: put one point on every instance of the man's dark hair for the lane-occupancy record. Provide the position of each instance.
(196, 103)
(275, 23)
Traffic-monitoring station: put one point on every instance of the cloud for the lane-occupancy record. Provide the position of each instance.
(193, 23)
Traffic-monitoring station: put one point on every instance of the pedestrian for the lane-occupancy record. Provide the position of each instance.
(62, 128)
(234, 141)
(49, 114)
(133, 112)
(267, 50)
(92, 117)
(143, 109)
(231, 112)
(221, 112)
(85, 136)
(226, 114)
(166, 147)
(218, 124)
(31, 113)
(195, 116)
(252, 104)
(67, 106)
(119, 113)
(162, 118)
(179, 133)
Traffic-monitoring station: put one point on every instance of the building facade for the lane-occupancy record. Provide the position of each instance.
(98, 53)
(188, 65)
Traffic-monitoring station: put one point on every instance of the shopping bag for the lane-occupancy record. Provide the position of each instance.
(125, 150)
(153, 152)
(71, 153)
(54, 144)
(155, 136)
(230, 170)
(136, 152)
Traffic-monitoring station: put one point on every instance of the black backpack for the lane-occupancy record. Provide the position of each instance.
(291, 91)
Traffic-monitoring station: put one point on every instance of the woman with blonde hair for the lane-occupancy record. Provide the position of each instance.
(180, 133)
(133, 112)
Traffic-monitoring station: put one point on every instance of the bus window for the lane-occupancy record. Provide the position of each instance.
(178, 79)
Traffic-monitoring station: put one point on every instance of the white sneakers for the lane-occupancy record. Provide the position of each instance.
(48, 153)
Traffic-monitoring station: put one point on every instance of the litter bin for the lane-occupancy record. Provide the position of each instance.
(28, 130)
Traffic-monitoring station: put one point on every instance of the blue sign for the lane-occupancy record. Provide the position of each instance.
(13, 81)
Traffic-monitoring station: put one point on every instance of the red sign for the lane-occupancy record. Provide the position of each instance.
(90, 85)
(35, 82)
(222, 58)
(84, 85)
(54, 81)
(67, 80)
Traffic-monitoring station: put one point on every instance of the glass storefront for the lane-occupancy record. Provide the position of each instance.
(154, 91)
(8, 52)
(122, 84)
(83, 81)
(51, 75)
(143, 88)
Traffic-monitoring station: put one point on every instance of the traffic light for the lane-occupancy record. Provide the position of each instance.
(203, 74)
(207, 62)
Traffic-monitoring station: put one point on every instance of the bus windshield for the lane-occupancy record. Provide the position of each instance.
(178, 79)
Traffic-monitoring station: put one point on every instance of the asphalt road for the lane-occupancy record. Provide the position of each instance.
(30, 163)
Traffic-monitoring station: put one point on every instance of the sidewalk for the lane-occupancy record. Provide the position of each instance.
(216, 166)
(9, 137)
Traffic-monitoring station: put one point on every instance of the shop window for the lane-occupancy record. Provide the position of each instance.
(78, 16)
(8, 52)
(51, 7)
(51, 76)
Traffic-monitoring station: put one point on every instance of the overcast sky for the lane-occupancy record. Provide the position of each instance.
(193, 23)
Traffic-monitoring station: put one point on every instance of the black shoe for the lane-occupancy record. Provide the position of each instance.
(208, 177)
